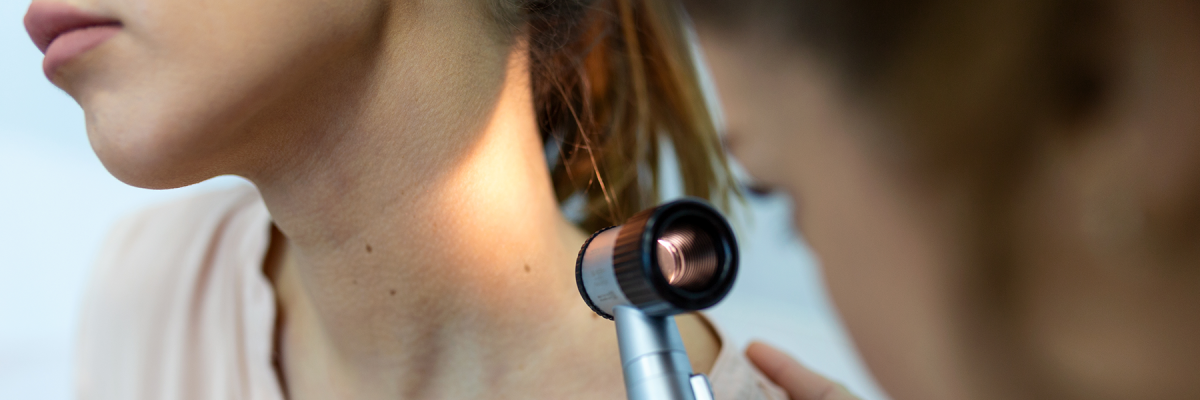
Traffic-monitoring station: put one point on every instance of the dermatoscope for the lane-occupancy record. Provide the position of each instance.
(675, 258)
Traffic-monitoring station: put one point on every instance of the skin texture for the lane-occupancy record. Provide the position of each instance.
(419, 250)
(1103, 291)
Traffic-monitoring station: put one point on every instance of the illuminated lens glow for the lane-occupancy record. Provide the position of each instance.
(686, 257)
(670, 261)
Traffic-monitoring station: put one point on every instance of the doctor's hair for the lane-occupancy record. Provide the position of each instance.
(613, 81)
(970, 93)
(944, 61)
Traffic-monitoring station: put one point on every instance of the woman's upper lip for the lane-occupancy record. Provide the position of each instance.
(46, 21)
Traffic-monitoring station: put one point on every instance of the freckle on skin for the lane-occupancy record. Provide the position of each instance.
(526, 267)
(393, 291)
(368, 248)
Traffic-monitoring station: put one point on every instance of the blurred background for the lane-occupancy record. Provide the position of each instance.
(57, 203)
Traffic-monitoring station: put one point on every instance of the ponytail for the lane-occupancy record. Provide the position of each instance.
(611, 78)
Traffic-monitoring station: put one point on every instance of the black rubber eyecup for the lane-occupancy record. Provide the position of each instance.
(636, 263)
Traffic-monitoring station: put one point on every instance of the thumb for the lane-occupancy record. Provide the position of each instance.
(799, 382)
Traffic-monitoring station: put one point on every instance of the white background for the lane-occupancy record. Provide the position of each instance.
(57, 202)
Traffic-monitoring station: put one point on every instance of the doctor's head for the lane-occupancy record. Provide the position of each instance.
(1004, 195)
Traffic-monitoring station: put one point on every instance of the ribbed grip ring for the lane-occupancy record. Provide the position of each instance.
(632, 260)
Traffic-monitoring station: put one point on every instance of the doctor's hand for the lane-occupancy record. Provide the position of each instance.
(799, 382)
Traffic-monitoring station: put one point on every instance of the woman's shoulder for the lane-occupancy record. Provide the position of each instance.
(733, 377)
(148, 247)
(179, 219)
(175, 287)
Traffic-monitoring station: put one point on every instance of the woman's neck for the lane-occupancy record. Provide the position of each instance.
(422, 255)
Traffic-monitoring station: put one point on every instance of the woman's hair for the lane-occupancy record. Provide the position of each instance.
(611, 78)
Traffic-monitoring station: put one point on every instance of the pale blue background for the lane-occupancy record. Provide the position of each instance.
(57, 201)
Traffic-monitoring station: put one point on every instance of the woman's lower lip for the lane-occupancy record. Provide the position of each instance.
(71, 44)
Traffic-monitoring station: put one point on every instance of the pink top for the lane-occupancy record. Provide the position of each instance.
(178, 308)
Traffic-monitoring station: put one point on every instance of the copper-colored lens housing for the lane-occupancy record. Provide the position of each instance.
(687, 257)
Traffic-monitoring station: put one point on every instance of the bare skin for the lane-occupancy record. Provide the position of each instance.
(499, 316)
(420, 252)
(456, 286)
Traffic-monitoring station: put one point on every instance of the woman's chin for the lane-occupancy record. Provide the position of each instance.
(152, 141)
(151, 175)
(150, 164)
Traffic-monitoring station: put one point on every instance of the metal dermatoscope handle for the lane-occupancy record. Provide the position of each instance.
(654, 362)
(678, 257)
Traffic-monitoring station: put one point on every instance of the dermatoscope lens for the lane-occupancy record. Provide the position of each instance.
(678, 257)
(686, 257)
